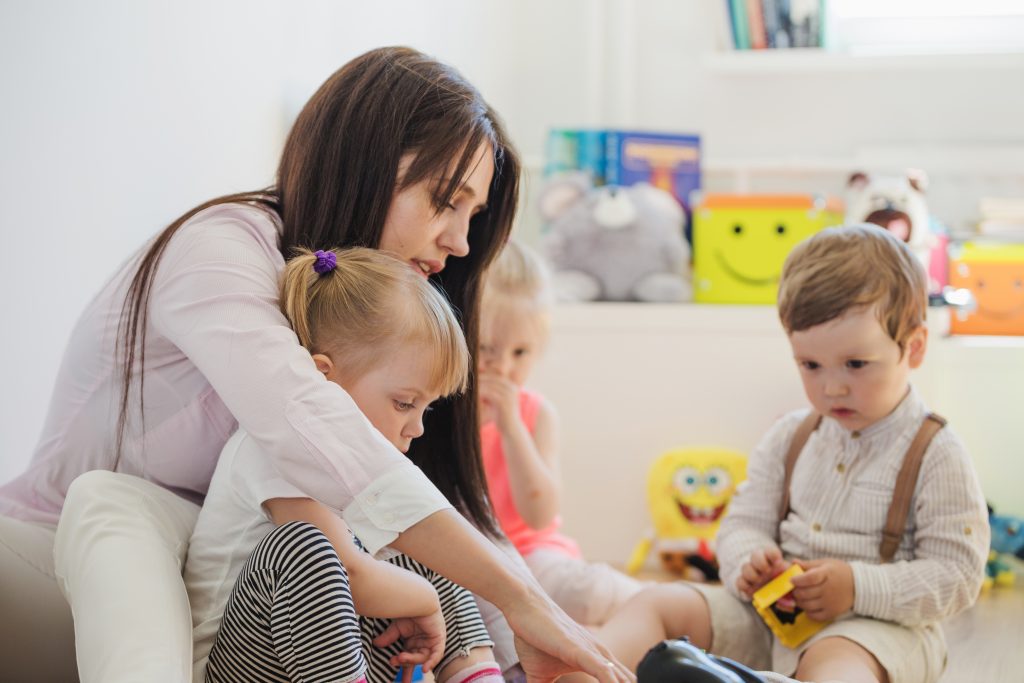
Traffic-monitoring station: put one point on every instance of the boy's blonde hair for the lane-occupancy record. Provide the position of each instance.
(518, 273)
(366, 308)
(848, 267)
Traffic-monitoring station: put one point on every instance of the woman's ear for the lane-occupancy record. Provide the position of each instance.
(324, 364)
(916, 346)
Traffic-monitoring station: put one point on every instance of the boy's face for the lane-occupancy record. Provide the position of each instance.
(852, 369)
(393, 396)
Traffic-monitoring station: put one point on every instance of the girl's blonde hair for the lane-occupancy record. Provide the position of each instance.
(518, 273)
(366, 308)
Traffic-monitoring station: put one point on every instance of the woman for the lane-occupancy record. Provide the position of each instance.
(186, 342)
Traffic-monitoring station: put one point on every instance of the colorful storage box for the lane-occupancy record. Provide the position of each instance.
(994, 274)
(741, 241)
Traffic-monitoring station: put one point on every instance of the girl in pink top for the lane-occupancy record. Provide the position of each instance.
(520, 444)
(395, 151)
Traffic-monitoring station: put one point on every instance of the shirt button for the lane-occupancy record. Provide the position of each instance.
(855, 434)
(967, 530)
(816, 526)
(840, 468)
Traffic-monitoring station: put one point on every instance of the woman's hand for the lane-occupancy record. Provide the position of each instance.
(422, 642)
(550, 644)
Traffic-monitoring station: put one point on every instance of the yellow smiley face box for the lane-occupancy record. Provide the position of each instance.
(741, 241)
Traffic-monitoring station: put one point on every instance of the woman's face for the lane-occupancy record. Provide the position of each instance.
(417, 233)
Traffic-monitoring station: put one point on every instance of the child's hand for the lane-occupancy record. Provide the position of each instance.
(763, 566)
(825, 590)
(500, 396)
(422, 642)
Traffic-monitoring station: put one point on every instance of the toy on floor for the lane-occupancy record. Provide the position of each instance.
(994, 275)
(1007, 541)
(688, 491)
(679, 661)
(896, 203)
(741, 241)
(614, 243)
(789, 623)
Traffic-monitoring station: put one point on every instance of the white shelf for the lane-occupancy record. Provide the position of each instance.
(817, 60)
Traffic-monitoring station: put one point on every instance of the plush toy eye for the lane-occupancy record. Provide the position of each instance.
(781, 229)
(687, 480)
(717, 480)
(1017, 284)
(981, 284)
(737, 229)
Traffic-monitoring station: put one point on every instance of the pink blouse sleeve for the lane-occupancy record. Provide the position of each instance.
(215, 298)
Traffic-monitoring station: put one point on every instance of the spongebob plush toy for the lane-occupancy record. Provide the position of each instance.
(688, 491)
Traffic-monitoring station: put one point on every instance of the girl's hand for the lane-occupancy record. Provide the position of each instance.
(825, 590)
(422, 642)
(763, 566)
(500, 398)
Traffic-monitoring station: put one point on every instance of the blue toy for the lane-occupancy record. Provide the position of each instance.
(1007, 540)
(679, 661)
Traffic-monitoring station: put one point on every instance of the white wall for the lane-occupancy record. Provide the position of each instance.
(120, 115)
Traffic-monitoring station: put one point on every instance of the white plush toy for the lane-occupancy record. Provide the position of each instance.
(896, 203)
(614, 243)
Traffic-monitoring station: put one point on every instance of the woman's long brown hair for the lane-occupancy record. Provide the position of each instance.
(337, 175)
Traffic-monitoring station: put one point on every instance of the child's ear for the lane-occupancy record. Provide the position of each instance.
(323, 363)
(916, 346)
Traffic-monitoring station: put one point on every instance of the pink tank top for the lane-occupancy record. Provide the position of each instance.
(522, 536)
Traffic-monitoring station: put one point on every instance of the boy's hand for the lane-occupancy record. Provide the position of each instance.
(422, 642)
(825, 590)
(763, 566)
(500, 397)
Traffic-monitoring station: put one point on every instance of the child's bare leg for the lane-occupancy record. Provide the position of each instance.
(839, 659)
(477, 656)
(661, 611)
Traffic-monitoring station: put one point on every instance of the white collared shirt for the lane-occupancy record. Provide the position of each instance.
(839, 498)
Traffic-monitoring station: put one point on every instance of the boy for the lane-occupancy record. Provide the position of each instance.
(853, 302)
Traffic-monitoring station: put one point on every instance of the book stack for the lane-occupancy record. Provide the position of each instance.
(1002, 218)
(670, 161)
(775, 24)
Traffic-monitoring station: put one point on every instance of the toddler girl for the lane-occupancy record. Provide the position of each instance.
(280, 588)
(519, 441)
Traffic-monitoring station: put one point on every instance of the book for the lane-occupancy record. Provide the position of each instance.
(755, 16)
(669, 161)
(740, 27)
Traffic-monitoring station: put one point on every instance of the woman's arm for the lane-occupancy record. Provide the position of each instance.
(215, 297)
(548, 642)
(379, 589)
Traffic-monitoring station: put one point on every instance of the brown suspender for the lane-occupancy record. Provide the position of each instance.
(903, 492)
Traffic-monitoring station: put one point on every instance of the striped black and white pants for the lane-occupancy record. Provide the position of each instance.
(290, 617)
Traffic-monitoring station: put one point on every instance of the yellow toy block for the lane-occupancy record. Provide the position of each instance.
(791, 628)
(741, 241)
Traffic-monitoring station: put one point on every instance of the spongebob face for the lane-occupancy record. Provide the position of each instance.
(741, 242)
(689, 491)
(995, 278)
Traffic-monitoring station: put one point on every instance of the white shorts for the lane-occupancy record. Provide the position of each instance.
(908, 654)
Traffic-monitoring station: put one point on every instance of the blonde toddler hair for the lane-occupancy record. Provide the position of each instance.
(843, 268)
(518, 273)
(368, 306)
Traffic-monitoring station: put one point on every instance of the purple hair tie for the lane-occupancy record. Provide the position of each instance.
(326, 261)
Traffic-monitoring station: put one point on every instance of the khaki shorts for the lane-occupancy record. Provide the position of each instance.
(908, 654)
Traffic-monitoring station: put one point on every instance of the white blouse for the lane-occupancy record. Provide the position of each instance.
(219, 354)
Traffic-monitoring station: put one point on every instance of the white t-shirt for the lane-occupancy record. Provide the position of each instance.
(231, 524)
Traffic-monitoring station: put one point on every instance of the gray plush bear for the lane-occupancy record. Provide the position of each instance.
(614, 243)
